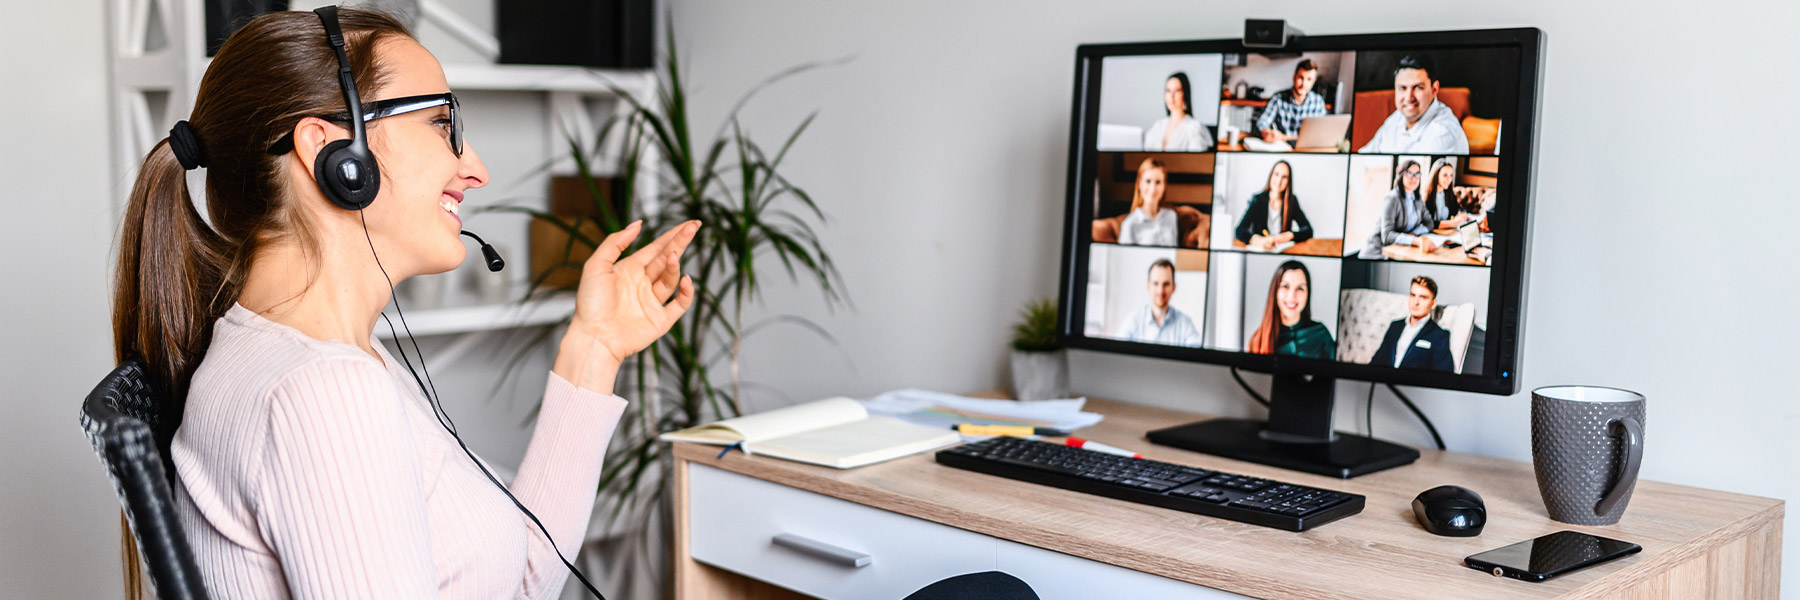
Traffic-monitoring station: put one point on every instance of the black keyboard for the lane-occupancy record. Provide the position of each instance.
(1191, 489)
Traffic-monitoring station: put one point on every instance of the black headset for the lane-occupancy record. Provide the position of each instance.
(346, 173)
(345, 169)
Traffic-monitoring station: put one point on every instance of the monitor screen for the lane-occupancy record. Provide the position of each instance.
(1347, 206)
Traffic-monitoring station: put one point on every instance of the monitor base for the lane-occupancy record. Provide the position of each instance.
(1345, 456)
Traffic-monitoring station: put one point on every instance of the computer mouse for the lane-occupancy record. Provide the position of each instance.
(1450, 510)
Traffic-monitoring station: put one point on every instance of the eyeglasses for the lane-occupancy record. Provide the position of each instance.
(389, 108)
(1412, 174)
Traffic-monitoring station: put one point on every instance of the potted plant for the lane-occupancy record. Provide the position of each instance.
(1040, 366)
(751, 211)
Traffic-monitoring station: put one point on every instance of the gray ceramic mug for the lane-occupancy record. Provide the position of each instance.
(1586, 444)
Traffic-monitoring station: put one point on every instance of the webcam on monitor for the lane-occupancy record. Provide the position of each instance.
(1268, 33)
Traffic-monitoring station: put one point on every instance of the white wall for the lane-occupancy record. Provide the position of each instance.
(1370, 179)
(941, 153)
(59, 519)
(1131, 93)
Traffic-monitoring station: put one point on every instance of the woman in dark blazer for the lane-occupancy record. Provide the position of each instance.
(1403, 214)
(1257, 230)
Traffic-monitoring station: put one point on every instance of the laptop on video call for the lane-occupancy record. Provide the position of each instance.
(1322, 132)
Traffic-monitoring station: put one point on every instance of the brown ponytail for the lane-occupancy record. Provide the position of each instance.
(170, 262)
(176, 274)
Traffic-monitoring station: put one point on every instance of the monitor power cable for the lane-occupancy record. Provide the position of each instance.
(1420, 414)
(1369, 412)
(1249, 390)
(1368, 407)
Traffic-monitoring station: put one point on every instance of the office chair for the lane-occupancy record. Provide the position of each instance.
(986, 585)
(119, 417)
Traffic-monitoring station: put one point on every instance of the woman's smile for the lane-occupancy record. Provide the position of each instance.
(450, 201)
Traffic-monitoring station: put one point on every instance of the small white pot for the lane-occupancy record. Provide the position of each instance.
(1040, 375)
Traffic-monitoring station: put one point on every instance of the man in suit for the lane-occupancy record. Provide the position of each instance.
(1416, 342)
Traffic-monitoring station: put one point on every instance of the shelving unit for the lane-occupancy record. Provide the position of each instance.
(158, 58)
(486, 317)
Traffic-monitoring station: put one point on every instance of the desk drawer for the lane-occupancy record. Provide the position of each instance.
(735, 522)
(1058, 576)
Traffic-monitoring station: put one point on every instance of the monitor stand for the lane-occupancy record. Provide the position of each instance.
(1298, 434)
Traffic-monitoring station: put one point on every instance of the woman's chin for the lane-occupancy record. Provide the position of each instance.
(446, 263)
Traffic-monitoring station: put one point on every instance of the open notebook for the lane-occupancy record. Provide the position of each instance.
(834, 432)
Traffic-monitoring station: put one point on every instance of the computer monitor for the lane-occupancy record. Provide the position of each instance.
(1354, 259)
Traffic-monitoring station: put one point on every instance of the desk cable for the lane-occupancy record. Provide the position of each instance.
(1368, 407)
(429, 390)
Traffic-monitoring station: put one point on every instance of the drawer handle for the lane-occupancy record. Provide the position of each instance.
(833, 554)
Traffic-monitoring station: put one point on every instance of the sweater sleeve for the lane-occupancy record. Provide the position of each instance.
(559, 475)
(341, 495)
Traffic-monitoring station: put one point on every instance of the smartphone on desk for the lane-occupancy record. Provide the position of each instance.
(1551, 555)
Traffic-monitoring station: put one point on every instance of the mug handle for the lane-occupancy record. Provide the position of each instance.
(1634, 457)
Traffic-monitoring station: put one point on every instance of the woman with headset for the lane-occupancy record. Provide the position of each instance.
(310, 464)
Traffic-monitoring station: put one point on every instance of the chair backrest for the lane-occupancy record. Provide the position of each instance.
(1191, 222)
(119, 417)
(1363, 318)
(1459, 321)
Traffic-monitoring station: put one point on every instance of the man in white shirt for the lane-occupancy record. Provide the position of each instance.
(1157, 322)
(1420, 122)
(1416, 342)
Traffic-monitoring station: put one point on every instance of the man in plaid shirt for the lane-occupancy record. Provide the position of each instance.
(1280, 120)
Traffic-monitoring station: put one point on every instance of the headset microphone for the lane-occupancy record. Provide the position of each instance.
(488, 254)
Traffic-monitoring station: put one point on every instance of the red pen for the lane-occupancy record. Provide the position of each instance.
(1099, 447)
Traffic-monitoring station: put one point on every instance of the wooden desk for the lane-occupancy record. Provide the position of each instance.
(1697, 543)
(1239, 147)
(1454, 256)
(1312, 247)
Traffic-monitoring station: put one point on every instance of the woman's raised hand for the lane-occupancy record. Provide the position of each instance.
(624, 304)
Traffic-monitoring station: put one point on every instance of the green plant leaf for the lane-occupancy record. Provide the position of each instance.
(1036, 329)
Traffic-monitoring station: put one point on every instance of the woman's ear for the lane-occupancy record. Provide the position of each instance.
(311, 135)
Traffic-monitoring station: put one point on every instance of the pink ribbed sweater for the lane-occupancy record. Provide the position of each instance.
(312, 470)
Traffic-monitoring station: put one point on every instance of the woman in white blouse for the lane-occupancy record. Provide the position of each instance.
(1149, 224)
(1177, 132)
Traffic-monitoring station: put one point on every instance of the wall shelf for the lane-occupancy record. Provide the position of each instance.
(487, 317)
(542, 78)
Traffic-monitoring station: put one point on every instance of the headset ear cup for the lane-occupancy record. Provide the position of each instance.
(349, 179)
